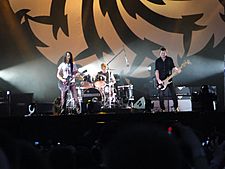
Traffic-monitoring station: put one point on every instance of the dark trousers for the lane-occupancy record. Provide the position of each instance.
(173, 94)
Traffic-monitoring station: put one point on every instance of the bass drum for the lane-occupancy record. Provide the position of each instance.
(92, 95)
(93, 100)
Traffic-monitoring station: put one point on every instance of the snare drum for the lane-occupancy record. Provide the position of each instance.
(86, 85)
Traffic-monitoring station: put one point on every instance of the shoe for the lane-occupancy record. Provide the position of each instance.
(163, 110)
(177, 109)
(78, 109)
(62, 111)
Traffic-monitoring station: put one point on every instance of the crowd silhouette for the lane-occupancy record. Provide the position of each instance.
(130, 146)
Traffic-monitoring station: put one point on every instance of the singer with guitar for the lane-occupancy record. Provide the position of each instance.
(66, 73)
(164, 66)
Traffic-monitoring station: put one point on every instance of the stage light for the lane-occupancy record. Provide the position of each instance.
(199, 69)
(36, 143)
(8, 92)
(149, 68)
(28, 77)
(141, 71)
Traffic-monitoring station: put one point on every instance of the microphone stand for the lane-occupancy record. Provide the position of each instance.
(110, 98)
(109, 78)
(115, 57)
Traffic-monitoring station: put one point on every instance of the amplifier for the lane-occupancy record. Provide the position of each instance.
(4, 109)
(3, 96)
(20, 103)
(184, 104)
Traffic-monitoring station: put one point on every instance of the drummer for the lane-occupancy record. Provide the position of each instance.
(104, 77)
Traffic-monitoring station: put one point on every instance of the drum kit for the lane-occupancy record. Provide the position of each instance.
(102, 91)
(98, 93)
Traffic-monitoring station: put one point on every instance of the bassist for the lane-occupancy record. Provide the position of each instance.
(164, 66)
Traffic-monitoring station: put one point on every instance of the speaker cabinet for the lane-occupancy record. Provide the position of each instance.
(20, 103)
(4, 109)
(44, 108)
(184, 104)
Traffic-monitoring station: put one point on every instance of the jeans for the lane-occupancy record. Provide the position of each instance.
(173, 94)
(64, 93)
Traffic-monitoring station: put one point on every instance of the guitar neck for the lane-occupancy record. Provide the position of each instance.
(172, 75)
(175, 73)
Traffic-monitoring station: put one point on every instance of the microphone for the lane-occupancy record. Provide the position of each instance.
(125, 57)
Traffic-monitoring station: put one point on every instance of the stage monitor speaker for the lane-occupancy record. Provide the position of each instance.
(140, 104)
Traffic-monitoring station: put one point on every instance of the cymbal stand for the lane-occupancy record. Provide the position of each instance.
(111, 89)
(109, 98)
(109, 78)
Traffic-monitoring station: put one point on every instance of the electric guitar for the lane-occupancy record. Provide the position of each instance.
(65, 85)
(167, 80)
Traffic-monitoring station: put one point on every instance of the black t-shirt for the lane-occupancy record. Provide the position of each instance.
(164, 67)
(102, 76)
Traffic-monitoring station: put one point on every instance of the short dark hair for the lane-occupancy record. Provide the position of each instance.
(163, 49)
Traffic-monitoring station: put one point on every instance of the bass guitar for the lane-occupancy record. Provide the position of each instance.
(168, 79)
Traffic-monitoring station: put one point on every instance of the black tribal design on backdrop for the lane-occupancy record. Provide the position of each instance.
(96, 45)
(222, 15)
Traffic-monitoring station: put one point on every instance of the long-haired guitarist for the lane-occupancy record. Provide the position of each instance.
(164, 66)
(66, 73)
